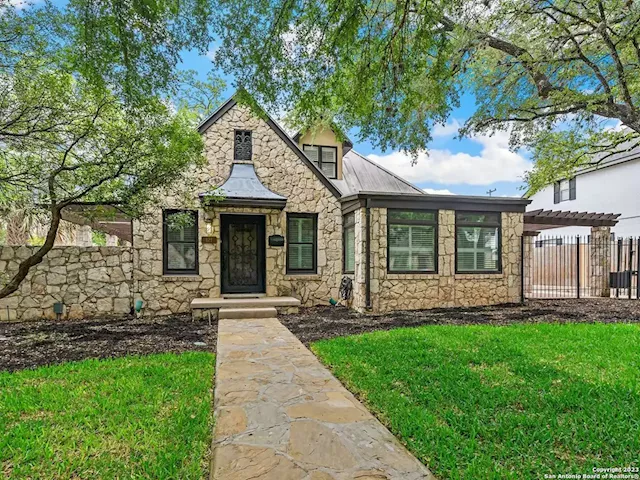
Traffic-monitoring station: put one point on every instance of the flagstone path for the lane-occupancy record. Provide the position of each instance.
(281, 415)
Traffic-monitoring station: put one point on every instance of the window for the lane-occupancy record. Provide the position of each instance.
(564, 190)
(180, 237)
(411, 238)
(325, 158)
(478, 242)
(349, 243)
(302, 242)
(242, 145)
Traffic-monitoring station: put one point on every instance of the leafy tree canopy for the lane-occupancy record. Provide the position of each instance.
(86, 115)
(556, 74)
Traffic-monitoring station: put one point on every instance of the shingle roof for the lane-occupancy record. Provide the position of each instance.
(363, 175)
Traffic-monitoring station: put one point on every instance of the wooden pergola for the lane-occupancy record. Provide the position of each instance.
(537, 220)
(102, 218)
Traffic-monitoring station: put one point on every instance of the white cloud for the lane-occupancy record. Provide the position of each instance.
(211, 53)
(438, 191)
(447, 130)
(495, 163)
(18, 4)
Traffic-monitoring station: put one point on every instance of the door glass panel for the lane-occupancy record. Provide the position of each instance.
(243, 254)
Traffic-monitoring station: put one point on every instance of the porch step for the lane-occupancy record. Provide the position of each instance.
(263, 302)
(245, 313)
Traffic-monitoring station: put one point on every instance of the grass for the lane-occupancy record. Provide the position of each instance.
(501, 402)
(131, 417)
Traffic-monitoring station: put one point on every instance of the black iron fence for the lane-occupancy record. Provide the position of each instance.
(580, 266)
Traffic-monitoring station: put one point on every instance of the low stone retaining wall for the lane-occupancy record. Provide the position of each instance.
(88, 280)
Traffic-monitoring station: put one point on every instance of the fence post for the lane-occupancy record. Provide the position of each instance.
(638, 268)
(578, 264)
(630, 268)
(522, 270)
(600, 261)
(618, 267)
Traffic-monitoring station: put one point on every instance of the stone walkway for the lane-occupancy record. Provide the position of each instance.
(281, 415)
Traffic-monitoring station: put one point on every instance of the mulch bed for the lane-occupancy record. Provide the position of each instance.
(32, 344)
(319, 323)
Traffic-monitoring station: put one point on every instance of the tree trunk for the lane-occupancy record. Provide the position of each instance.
(36, 258)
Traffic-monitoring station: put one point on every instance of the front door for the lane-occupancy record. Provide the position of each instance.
(243, 253)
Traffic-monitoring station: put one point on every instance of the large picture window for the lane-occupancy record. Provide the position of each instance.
(180, 242)
(349, 243)
(412, 240)
(302, 242)
(478, 242)
(325, 158)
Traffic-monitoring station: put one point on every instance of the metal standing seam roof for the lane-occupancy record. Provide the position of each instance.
(363, 175)
(244, 185)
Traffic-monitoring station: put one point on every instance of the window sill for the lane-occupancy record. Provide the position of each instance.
(181, 277)
(302, 276)
(411, 276)
(477, 276)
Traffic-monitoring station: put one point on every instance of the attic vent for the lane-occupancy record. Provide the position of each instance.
(242, 145)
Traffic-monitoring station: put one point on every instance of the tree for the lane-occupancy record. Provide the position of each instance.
(559, 75)
(68, 138)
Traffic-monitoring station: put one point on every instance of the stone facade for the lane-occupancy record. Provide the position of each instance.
(88, 280)
(283, 172)
(393, 291)
(93, 280)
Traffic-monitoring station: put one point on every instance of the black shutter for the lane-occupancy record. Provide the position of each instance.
(556, 192)
(572, 189)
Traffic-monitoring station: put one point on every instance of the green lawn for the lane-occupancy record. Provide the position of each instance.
(501, 402)
(132, 417)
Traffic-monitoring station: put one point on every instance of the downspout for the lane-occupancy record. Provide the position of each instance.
(367, 262)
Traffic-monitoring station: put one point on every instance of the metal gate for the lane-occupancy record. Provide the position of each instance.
(578, 267)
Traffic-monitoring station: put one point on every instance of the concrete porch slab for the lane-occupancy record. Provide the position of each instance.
(281, 415)
(240, 302)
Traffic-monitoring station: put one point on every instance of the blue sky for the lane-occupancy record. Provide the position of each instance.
(468, 166)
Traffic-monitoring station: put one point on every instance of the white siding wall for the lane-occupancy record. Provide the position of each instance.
(614, 189)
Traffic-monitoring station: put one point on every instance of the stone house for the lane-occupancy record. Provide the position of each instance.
(297, 215)
(301, 213)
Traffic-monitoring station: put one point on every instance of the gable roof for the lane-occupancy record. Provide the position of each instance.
(346, 143)
(363, 175)
(232, 102)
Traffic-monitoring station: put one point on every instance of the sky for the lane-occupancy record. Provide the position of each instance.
(467, 166)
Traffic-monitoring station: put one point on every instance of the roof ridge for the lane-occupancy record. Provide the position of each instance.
(406, 182)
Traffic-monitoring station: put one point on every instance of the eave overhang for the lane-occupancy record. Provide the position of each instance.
(419, 201)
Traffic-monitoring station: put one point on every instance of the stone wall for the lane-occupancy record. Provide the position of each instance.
(393, 291)
(279, 169)
(88, 280)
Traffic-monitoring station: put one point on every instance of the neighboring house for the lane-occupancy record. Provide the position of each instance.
(294, 222)
(611, 187)
(297, 217)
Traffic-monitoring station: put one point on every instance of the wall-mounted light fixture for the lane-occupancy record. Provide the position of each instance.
(208, 226)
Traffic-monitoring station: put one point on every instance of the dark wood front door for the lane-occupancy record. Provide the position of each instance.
(243, 253)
